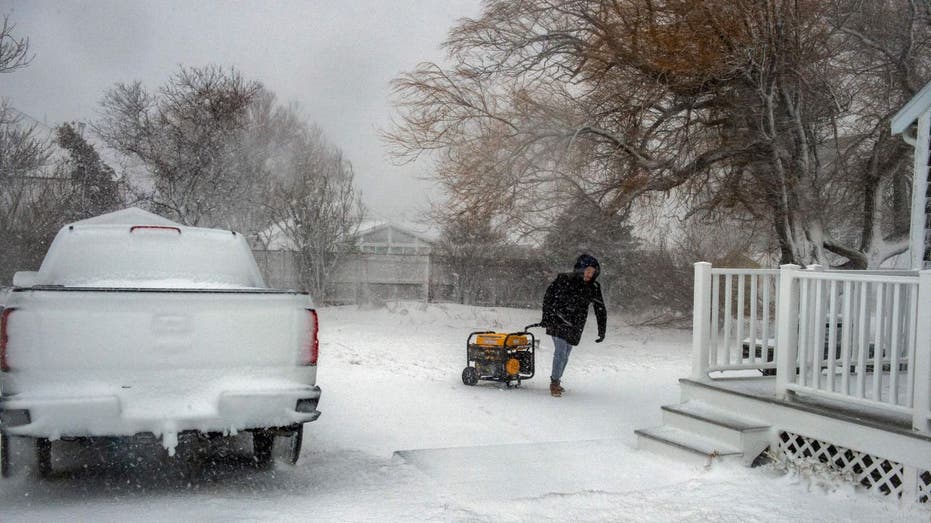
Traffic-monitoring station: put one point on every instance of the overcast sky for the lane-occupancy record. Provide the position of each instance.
(334, 57)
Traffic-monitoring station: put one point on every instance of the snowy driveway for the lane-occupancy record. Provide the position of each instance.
(390, 380)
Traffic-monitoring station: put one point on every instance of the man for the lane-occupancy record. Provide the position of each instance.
(565, 309)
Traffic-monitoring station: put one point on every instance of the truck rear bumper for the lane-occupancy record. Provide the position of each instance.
(111, 415)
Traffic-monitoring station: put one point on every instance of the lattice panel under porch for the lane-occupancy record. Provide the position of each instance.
(875, 473)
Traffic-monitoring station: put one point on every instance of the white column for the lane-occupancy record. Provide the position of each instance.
(919, 189)
(787, 329)
(922, 398)
(701, 321)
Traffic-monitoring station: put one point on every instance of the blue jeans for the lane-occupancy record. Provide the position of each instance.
(560, 357)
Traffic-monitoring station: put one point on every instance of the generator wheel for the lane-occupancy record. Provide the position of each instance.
(469, 376)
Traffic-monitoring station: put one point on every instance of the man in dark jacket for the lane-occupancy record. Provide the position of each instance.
(565, 309)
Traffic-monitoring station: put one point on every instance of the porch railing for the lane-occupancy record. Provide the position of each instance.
(741, 308)
(856, 337)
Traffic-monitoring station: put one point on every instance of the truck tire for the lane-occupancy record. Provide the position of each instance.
(262, 443)
(4, 456)
(294, 447)
(44, 457)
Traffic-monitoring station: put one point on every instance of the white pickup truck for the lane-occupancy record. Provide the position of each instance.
(137, 325)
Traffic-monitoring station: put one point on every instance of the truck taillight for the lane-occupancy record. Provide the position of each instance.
(4, 337)
(311, 350)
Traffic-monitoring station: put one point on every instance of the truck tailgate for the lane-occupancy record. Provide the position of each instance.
(152, 330)
(95, 362)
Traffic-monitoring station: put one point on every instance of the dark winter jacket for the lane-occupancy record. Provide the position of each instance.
(565, 305)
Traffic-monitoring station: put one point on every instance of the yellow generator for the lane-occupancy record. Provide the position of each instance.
(500, 356)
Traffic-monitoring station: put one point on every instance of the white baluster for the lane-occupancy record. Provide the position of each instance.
(715, 355)
(764, 350)
(817, 345)
(912, 333)
(752, 334)
(740, 318)
(894, 345)
(863, 343)
(728, 293)
(832, 335)
(878, 341)
(845, 338)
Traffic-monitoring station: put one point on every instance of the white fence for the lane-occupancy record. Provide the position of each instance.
(856, 337)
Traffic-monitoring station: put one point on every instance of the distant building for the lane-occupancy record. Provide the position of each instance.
(391, 262)
(395, 262)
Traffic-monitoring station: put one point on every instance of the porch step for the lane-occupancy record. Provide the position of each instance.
(717, 424)
(716, 416)
(709, 430)
(684, 445)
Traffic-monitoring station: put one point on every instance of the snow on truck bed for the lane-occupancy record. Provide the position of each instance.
(194, 258)
(133, 249)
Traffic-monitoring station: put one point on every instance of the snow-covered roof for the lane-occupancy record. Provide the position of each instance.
(130, 216)
(910, 112)
(274, 238)
(370, 227)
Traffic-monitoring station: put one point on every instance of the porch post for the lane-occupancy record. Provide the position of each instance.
(787, 329)
(922, 398)
(918, 225)
(701, 321)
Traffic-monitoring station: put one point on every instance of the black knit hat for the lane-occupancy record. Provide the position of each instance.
(587, 260)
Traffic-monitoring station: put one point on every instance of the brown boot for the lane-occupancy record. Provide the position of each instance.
(555, 389)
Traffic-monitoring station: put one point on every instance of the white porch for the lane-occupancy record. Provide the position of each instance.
(764, 375)
(830, 366)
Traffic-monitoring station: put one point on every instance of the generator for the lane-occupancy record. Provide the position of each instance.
(506, 357)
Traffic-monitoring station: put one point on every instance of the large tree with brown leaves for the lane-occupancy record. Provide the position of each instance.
(773, 109)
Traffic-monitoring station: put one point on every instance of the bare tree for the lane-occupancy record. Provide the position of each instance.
(23, 155)
(222, 152)
(29, 197)
(311, 199)
(885, 62)
(186, 136)
(14, 52)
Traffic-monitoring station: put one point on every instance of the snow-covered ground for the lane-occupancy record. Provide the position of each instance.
(391, 382)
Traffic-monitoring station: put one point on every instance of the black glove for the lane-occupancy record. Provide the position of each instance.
(600, 339)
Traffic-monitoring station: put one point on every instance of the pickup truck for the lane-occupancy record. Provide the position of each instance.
(136, 325)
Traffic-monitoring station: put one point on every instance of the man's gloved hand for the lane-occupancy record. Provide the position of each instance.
(600, 339)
